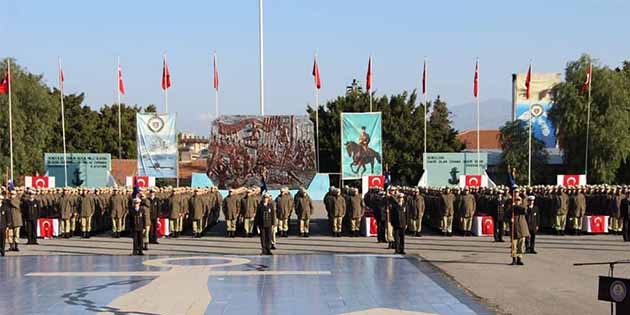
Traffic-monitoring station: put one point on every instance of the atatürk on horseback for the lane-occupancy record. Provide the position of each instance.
(362, 154)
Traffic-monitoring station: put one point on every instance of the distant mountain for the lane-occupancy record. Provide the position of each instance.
(493, 114)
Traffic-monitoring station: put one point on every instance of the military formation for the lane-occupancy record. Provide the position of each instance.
(248, 211)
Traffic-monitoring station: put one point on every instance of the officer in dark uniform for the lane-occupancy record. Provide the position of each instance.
(137, 226)
(3, 225)
(499, 214)
(533, 222)
(265, 219)
(30, 209)
(154, 205)
(399, 223)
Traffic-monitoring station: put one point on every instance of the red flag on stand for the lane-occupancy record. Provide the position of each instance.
(476, 84)
(589, 77)
(4, 84)
(121, 84)
(316, 77)
(528, 82)
(166, 76)
(368, 80)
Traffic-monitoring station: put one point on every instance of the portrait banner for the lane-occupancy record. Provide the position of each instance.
(244, 149)
(157, 145)
(361, 145)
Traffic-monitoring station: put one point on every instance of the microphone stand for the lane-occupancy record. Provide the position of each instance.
(611, 271)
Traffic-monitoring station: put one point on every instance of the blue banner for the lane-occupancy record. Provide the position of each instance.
(361, 145)
(157, 145)
(542, 127)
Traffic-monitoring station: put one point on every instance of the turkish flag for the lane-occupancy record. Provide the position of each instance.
(598, 223)
(571, 180)
(162, 227)
(476, 83)
(473, 180)
(368, 79)
(373, 227)
(45, 228)
(424, 78)
(121, 84)
(487, 226)
(4, 84)
(528, 82)
(39, 181)
(166, 76)
(141, 181)
(376, 181)
(216, 73)
(316, 77)
(589, 77)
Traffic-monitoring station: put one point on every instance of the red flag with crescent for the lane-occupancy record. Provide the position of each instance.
(4, 84)
(597, 223)
(473, 180)
(376, 181)
(39, 181)
(571, 180)
(487, 225)
(141, 181)
(45, 228)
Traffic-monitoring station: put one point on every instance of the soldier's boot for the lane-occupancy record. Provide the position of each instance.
(513, 261)
(145, 247)
(519, 261)
(16, 247)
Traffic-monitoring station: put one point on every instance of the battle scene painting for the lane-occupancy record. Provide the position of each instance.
(244, 148)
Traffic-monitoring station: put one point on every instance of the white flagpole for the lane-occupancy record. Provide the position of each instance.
(166, 87)
(216, 90)
(317, 115)
(588, 119)
(119, 111)
(478, 144)
(424, 87)
(262, 59)
(10, 121)
(63, 128)
(529, 163)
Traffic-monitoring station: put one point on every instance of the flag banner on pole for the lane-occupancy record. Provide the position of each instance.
(589, 77)
(4, 84)
(61, 77)
(361, 149)
(316, 77)
(541, 102)
(476, 83)
(368, 79)
(216, 73)
(121, 84)
(157, 145)
(424, 78)
(140, 181)
(243, 146)
(528, 83)
(372, 181)
(166, 76)
(47, 227)
(571, 180)
(39, 181)
(473, 181)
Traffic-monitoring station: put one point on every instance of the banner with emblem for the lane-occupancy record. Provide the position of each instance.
(540, 101)
(361, 145)
(157, 145)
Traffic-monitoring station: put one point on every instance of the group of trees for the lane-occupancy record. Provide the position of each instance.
(403, 131)
(36, 116)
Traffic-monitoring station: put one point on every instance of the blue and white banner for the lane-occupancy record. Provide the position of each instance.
(361, 145)
(157, 145)
(537, 106)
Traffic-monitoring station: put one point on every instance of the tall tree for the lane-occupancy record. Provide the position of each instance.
(514, 139)
(610, 119)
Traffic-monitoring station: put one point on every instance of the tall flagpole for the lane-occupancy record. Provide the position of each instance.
(63, 127)
(216, 87)
(529, 163)
(119, 111)
(425, 77)
(588, 119)
(262, 59)
(317, 115)
(478, 145)
(166, 89)
(10, 120)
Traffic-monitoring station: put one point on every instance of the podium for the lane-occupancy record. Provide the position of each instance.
(615, 290)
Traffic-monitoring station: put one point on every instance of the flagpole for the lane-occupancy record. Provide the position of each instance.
(426, 112)
(63, 127)
(478, 144)
(529, 163)
(166, 88)
(317, 116)
(262, 60)
(119, 111)
(216, 88)
(588, 120)
(10, 120)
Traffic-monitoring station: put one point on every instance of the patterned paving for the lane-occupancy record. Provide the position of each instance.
(283, 284)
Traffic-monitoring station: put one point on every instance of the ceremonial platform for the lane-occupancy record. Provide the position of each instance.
(282, 284)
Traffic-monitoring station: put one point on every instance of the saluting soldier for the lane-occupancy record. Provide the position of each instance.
(145, 207)
(521, 232)
(265, 218)
(14, 220)
(399, 223)
(356, 208)
(284, 209)
(304, 211)
(30, 209)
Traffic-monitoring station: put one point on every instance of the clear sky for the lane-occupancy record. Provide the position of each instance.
(505, 35)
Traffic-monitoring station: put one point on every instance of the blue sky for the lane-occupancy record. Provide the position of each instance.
(505, 35)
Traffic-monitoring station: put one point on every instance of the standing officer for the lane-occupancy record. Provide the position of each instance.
(284, 208)
(533, 222)
(14, 221)
(175, 206)
(468, 206)
(231, 208)
(625, 216)
(304, 210)
(561, 208)
(265, 218)
(248, 210)
(399, 223)
(154, 205)
(117, 211)
(499, 214)
(580, 210)
(30, 209)
(137, 227)
(338, 205)
(415, 206)
(66, 205)
(198, 212)
(521, 232)
(448, 209)
(86, 207)
(356, 208)
(3, 224)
